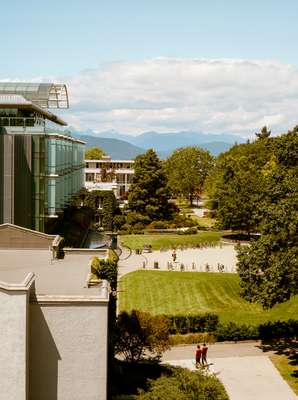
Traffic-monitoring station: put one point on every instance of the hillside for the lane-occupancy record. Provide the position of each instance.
(117, 149)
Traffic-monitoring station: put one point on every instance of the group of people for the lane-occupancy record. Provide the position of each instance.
(201, 355)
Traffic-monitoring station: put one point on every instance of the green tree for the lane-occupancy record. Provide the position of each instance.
(264, 134)
(235, 185)
(268, 268)
(149, 195)
(94, 153)
(187, 169)
(182, 384)
(140, 333)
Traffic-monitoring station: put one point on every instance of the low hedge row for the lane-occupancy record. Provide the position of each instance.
(187, 324)
(181, 324)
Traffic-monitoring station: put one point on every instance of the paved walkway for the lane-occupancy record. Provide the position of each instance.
(246, 372)
(192, 260)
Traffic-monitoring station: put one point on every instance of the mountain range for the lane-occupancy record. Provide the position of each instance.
(123, 146)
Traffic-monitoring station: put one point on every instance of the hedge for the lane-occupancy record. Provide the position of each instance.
(181, 324)
(209, 323)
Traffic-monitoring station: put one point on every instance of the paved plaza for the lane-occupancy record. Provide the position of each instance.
(246, 372)
(208, 259)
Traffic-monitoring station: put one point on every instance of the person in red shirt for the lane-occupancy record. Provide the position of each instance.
(204, 354)
(198, 356)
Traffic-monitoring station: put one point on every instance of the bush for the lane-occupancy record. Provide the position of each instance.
(182, 384)
(192, 338)
(158, 225)
(182, 324)
(140, 333)
(234, 332)
(279, 329)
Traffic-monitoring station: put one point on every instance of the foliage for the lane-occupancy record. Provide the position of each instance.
(182, 324)
(139, 333)
(148, 196)
(278, 329)
(264, 134)
(189, 231)
(94, 153)
(268, 268)
(182, 384)
(235, 332)
(192, 338)
(102, 204)
(173, 293)
(187, 169)
(235, 186)
(105, 269)
(254, 187)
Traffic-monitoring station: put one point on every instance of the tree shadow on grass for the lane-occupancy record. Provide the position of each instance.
(287, 347)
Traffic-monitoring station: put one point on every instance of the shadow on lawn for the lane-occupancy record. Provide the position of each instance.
(287, 347)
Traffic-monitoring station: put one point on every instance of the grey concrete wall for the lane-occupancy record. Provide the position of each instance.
(14, 237)
(68, 351)
(13, 339)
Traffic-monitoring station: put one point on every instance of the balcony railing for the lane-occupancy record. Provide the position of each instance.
(20, 122)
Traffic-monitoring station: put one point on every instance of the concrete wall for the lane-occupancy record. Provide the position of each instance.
(68, 350)
(13, 339)
(15, 237)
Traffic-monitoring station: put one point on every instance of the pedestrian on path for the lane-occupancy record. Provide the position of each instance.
(198, 356)
(204, 354)
(174, 255)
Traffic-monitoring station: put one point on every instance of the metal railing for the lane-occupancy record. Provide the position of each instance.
(28, 122)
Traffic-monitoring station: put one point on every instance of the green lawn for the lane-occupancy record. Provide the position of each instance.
(195, 292)
(159, 241)
(287, 369)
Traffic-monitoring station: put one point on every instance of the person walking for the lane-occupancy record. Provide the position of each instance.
(198, 356)
(204, 354)
(174, 255)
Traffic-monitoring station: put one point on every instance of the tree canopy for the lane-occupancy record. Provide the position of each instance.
(268, 268)
(94, 153)
(149, 195)
(187, 169)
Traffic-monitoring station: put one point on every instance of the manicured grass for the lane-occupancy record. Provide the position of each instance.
(169, 241)
(164, 292)
(287, 371)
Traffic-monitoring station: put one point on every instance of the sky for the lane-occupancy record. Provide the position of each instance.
(134, 66)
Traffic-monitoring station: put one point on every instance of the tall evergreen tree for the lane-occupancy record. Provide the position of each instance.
(148, 193)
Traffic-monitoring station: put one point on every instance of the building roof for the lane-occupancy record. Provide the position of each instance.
(44, 95)
(19, 101)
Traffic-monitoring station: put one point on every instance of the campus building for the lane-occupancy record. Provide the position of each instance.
(108, 174)
(53, 326)
(41, 166)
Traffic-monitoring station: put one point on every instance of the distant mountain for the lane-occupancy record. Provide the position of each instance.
(162, 143)
(117, 149)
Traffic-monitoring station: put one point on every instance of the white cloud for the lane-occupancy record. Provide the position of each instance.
(220, 95)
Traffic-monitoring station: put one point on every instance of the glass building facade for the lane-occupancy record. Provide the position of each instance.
(41, 166)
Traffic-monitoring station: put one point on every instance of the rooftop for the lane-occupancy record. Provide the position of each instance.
(66, 277)
(44, 95)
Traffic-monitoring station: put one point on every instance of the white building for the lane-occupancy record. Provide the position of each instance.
(53, 327)
(108, 174)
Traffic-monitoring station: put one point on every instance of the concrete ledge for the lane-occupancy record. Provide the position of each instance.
(25, 285)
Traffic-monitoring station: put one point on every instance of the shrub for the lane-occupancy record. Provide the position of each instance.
(279, 329)
(139, 333)
(182, 324)
(192, 338)
(234, 332)
(158, 225)
(182, 384)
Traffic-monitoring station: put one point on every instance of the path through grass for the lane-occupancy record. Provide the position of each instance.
(164, 292)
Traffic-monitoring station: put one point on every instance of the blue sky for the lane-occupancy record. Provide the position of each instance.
(67, 36)
(134, 60)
